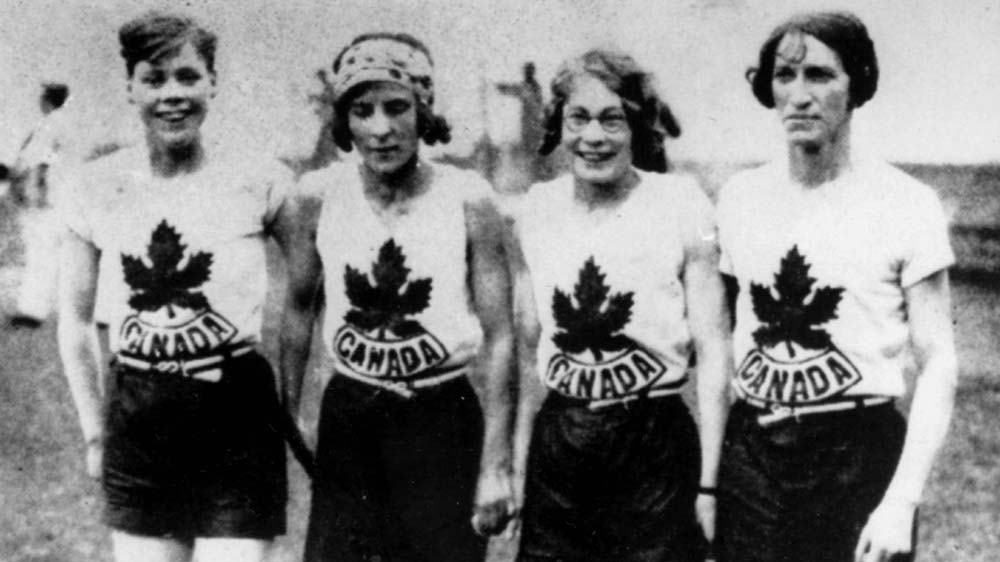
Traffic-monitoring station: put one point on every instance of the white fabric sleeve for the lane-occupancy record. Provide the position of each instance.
(929, 248)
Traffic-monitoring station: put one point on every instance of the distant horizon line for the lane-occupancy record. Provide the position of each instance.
(899, 162)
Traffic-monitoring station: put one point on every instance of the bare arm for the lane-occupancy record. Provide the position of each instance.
(78, 266)
(929, 308)
(531, 393)
(708, 320)
(294, 229)
(491, 288)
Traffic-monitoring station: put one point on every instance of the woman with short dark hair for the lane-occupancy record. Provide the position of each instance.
(841, 260)
(189, 452)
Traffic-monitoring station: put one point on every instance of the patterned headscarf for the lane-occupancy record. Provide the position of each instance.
(385, 60)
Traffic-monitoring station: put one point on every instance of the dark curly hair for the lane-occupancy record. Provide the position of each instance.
(649, 118)
(432, 128)
(843, 32)
(154, 35)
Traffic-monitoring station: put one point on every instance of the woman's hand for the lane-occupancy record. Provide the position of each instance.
(491, 290)
(888, 533)
(704, 510)
(494, 507)
(889, 529)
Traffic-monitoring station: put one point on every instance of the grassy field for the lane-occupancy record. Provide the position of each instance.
(49, 510)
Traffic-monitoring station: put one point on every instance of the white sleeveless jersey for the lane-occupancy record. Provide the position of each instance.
(608, 287)
(182, 260)
(822, 271)
(398, 303)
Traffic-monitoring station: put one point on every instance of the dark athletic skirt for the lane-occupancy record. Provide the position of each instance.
(396, 477)
(803, 490)
(615, 484)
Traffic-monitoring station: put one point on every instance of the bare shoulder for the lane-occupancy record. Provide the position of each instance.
(325, 182)
(475, 193)
(468, 185)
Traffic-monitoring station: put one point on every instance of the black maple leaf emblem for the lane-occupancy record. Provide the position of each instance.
(164, 283)
(789, 318)
(593, 324)
(386, 304)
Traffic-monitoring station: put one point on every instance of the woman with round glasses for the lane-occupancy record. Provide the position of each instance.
(616, 288)
(841, 262)
(417, 305)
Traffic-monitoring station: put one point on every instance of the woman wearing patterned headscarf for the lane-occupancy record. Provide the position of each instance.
(417, 304)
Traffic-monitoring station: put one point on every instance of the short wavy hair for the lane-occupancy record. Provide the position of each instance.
(155, 34)
(842, 32)
(431, 127)
(649, 117)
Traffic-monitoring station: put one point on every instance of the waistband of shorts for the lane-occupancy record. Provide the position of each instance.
(773, 412)
(206, 369)
(621, 402)
(408, 388)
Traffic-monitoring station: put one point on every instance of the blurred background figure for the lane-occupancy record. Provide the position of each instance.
(33, 189)
(518, 162)
(529, 93)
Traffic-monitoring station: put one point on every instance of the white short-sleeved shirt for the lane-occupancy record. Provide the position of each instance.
(182, 259)
(398, 300)
(822, 272)
(608, 285)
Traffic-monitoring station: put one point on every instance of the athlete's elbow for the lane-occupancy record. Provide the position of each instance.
(940, 369)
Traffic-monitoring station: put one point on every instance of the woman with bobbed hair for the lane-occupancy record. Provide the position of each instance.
(417, 305)
(189, 451)
(616, 289)
(843, 33)
(840, 260)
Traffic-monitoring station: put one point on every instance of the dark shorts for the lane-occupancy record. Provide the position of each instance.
(396, 477)
(803, 490)
(614, 484)
(186, 458)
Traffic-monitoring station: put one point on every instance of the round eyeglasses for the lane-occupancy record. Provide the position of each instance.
(610, 122)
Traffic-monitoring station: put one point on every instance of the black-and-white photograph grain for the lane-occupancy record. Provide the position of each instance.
(498, 281)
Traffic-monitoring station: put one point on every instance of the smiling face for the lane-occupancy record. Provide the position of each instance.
(595, 131)
(811, 91)
(383, 122)
(172, 95)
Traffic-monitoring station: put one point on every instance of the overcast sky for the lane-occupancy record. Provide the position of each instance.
(938, 100)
